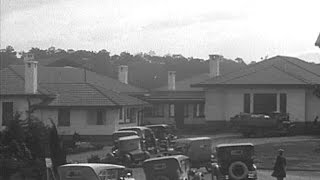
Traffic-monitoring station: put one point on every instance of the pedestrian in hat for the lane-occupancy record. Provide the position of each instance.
(279, 169)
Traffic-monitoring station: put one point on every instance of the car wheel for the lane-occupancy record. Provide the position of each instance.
(238, 170)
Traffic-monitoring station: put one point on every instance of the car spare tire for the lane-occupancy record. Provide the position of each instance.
(238, 170)
(161, 178)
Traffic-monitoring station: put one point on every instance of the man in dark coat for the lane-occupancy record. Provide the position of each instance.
(279, 169)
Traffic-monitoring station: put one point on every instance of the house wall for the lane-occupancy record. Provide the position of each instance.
(222, 104)
(20, 105)
(166, 119)
(312, 106)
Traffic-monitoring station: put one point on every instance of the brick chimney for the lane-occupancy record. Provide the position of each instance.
(214, 65)
(172, 80)
(30, 74)
(123, 74)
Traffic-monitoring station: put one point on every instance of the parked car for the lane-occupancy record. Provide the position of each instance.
(199, 150)
(164, 133)
(94, 171)
(170, 168)
(128, 153)
(148, 139)
(261, 125)
(118, 134)
(235, 161)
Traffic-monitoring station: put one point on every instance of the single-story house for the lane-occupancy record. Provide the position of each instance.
(178, 103)
(281, 83)
(76, 100)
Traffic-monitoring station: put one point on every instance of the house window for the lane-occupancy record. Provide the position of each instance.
(128, 115)
(64, 117)
(171, 110)
(264, 103)
(7, 112)
(283, 102)
(147, 111)
(96, 117)
(186, 110)
(246, 103)
(121, 113)
(198, 110)
(158, 110)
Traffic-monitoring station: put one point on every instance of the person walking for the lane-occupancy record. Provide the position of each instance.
(279, 169)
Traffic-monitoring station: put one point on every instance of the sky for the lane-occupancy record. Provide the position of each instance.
(249, 29)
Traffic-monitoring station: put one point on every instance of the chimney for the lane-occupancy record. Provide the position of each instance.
(171, 80)
(30, 74)
(123, 74)
(214, 65)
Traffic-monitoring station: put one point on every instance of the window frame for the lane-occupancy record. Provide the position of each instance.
(198, 112)
(171, 110)
(68, 113)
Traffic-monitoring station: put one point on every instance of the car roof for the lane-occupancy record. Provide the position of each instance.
(233, 145)
(157, 125)
(134, 127)
(194, 139)
(177, 157)
(122, 132)
(129, 137)
(94, 165)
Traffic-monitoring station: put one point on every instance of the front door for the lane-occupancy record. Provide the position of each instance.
(179, 114)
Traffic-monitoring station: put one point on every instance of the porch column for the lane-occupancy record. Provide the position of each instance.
(251, 102)
(278, 102)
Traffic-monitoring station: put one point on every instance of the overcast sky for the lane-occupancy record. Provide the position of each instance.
(233, 28)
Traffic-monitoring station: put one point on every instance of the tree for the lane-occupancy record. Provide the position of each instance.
(239, 60)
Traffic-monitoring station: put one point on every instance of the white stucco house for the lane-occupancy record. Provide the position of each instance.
(281, 83)
(76, 100)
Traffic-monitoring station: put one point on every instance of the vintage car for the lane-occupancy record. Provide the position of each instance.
(199, 150)
(164, 133)
(261, 125)
(148, 139)
(94, 171)
(128, 153)
(118, 134)
(170, 168)
(235, 161)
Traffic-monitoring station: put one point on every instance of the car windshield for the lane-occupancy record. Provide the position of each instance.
(110, 174)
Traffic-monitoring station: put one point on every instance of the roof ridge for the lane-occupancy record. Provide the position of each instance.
(302, 67)
(94, 86)
(292, 74)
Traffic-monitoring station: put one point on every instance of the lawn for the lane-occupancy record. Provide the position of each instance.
(302, 155)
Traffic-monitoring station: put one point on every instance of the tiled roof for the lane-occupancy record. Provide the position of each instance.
(318, 41)
(12, 83)
(76, 75)
(85, 94)
(277, 70)
(68, 91)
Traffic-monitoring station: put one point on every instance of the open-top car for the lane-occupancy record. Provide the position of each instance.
(199, 150)
(128, 153)
(170, 168)
(164, 133)
(148, 139)
(235, 162)
(94, 171)
(118, 134)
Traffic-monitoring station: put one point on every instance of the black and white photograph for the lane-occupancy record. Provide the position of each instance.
(159, 90)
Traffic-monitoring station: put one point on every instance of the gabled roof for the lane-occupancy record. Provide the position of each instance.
(85, 94)
(68, 91)
(12, 83)
(318, 41)
(76, 75)
(279, 70)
